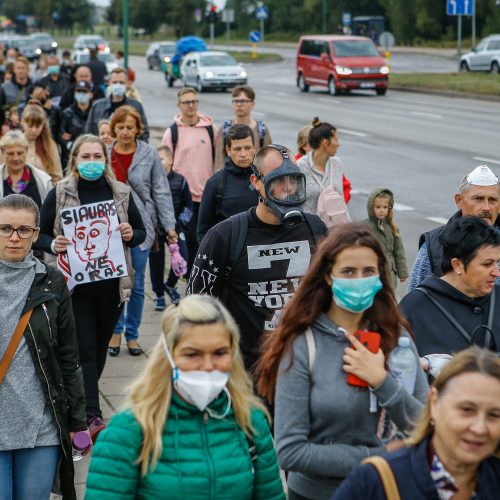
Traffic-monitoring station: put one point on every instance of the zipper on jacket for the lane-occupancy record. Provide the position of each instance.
(48, 320)
(210, 462)
(50, 394)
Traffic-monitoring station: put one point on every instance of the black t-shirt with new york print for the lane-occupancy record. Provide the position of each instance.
(265, 277)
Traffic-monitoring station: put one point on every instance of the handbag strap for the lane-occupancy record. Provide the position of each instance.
(14, 342)
(386, 475)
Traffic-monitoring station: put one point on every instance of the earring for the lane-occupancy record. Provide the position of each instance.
(459, 273)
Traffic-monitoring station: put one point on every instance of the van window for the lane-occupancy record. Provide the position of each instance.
(495, 45)
(355, 48)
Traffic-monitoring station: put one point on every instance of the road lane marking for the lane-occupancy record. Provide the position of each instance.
(439, 220)
(402, 208)
(352, 132)
(427, 115)
(327, 100)
(487, 160)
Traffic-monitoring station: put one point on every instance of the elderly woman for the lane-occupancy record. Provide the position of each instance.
(17, 175)
(450, 312)
(453, 450)
(138, 164)
(41, 388)
(192, 428)
(97, 305)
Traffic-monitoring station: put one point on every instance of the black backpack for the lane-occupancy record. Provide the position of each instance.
(175, 138)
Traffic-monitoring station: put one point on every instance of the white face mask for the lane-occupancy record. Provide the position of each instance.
(199, 387)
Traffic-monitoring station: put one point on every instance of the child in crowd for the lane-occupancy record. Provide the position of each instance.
(12, 121)
(104, 133)
(381, 222)
(183, 208)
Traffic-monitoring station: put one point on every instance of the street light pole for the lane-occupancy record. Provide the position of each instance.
(125, 34)
(324, 17)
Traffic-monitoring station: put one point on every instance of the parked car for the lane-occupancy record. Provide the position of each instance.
(44, 42)
(341, 63)
(483, 57)
(91, 42)
(159, 53)
(26, 47)
(83, 56)
(212, 69)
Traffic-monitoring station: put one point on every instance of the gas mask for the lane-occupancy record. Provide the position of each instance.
(285, 188)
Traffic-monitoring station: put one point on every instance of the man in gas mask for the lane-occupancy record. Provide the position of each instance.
(254, 260)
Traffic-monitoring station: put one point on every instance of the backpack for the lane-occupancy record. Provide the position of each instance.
(261, 127)
(331, 207)
(175, 138)
(219, 190)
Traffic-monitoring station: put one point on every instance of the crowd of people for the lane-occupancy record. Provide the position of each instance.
(277, 375)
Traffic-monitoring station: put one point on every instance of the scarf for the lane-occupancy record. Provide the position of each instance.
(22, 183)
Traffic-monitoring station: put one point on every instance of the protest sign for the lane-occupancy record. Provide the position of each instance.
(96, 252)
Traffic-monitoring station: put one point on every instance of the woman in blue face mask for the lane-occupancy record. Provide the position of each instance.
(192, 427)
(97, 304)
(325, 425)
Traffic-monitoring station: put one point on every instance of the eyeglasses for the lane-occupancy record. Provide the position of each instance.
(241, 102)
(24, 232)
(194, 102)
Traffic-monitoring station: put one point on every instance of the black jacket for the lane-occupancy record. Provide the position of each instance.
(236, 196)
(73, 121)
(57, 87)
(411, 471)
(99, 71)
(434, 333)
(51, 339)
(68, 98)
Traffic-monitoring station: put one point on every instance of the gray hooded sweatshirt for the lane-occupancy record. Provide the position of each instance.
(324, 427)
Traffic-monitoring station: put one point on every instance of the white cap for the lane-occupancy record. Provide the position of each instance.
(480, 176)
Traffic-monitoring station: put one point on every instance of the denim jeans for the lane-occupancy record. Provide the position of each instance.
(28, 474)
(130, 319)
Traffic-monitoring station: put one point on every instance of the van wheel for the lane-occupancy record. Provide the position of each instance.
(332, 88)
(464, 67)
(171, 81)
(301, 83)
(381, 91)
(495, 68)
(199, 86)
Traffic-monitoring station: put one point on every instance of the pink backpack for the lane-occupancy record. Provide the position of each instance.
(331, 207)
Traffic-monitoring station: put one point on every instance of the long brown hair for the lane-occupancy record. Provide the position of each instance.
(314, 296)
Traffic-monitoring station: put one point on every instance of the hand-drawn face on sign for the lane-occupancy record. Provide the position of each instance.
(91, 238)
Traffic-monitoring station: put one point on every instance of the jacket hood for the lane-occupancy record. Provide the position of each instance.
(204, 120)
(230, 166)
(325, 325)
(371, 200)
(449, 292)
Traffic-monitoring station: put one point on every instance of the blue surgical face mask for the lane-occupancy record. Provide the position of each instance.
(91, 170)
(2, 67)
(118, 89)
(53, 70)
(357, 294)
(82, 97)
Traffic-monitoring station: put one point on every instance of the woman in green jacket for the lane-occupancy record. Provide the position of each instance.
(192, 428)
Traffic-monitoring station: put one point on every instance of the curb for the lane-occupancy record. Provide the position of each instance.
(445, 93)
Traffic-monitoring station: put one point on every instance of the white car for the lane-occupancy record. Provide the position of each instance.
(91, 42)
(83, 56)
(484, 57)
(212, 69)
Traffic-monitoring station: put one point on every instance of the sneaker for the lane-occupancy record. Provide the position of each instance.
(96, 425)
(160, 304)
(173, 294)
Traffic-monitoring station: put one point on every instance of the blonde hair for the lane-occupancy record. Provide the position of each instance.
(303, 138)
(471, 360)
(386, 194)
(151, 392)
(13, 138)
(72, 168)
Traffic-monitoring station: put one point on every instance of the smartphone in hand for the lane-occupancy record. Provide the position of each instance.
(371, 340)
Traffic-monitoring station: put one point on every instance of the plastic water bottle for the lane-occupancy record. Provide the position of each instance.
(403, 364)
(81, 442)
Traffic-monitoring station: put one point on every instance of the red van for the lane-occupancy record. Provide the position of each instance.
(341, 63)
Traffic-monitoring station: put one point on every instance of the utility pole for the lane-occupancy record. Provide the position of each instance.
(125, 33)
(324, 17)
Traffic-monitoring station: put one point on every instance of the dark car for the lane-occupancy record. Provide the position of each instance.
(159, 53)
(26, 47)
(44, 42)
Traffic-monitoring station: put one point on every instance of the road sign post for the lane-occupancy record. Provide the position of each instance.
(228, 18)
(255, 37)
(262, 13)
(461, 8)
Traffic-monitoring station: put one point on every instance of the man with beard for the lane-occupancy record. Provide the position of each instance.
(478, 195)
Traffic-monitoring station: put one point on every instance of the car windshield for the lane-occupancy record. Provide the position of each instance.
(42, 38)
(21, 43)
(167, 49)
(103, 56)
(93, 42)
(217, 60)
(355, 48)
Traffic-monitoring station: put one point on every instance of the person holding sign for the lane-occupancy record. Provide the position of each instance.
(41, 388)
(138, 164)
(90, 221)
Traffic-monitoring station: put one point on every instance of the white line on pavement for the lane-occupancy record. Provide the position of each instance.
(327, 100)
(427, 115)
(439, 220)
(352, 132)
(487, 160)
(402, 208)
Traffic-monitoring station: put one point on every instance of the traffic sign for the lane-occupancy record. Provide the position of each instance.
(228, 16)
(346, 18)
(460, 7)
(255, 36)
(262, 13)
(386, 40)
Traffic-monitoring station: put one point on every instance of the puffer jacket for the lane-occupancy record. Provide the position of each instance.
(51, 339)
(391, 243)
(202, 459)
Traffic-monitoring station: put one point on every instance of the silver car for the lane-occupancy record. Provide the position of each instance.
(484, 57)
(212, 69)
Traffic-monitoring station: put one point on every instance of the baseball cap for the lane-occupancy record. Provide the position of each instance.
(84, 86)
(480, 176)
